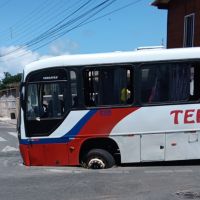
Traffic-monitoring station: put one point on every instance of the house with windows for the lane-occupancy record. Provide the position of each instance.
(183, 22)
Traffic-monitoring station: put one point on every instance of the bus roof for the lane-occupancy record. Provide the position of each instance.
(146, 55)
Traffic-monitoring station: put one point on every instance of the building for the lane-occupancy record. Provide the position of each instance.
(9, 101)
(183, 23)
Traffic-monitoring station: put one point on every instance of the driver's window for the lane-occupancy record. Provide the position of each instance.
(46, 100)
(32, 102)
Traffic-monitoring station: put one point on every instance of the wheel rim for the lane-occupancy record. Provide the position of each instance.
(96, 163)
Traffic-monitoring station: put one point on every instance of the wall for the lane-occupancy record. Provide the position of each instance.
(9, 102)
(8, 106)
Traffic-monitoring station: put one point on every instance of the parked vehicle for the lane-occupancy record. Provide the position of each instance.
(72, 111)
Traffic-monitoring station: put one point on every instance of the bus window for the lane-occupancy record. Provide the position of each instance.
(32, 102)
(126, 96)
(91, 87)
(53, 99)
(180, 82)
(195, 82)
(108, 86)
(74, 94)
(46, 100)
(155, 83)
(172, 82)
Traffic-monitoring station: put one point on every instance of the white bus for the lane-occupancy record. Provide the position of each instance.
(98, 110)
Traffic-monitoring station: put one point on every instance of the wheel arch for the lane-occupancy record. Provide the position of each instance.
(105, 143)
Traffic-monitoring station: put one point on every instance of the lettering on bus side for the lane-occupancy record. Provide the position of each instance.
(189, 116)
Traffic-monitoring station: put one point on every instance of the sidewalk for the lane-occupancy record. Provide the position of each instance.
(8, 120)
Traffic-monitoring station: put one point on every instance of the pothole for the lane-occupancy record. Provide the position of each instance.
(187, 194)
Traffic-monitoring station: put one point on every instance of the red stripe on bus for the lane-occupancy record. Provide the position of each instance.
(100, 125)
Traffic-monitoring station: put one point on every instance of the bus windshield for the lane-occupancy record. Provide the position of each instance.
(46, 100)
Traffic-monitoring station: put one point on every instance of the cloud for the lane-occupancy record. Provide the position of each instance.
(15, 61)
(63, 47)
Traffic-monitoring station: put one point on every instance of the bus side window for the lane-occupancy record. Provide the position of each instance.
(108, 85)
(170, 82)
(91, 87)
(195, 82)
(74, 93)
(127, 87)
(150, 84)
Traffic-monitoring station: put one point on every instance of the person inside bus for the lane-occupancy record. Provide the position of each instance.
(55, 106)
(75, 102)
(126, 94)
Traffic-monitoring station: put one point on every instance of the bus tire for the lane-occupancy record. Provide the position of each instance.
(99, 159)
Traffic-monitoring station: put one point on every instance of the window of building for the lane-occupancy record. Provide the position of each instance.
(168, 83)
(189, 31)
(108, 86)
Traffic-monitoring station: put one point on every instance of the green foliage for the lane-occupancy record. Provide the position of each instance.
(9, 79)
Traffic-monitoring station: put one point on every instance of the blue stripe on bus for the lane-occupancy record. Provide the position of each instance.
(64, 139)
(76, 129)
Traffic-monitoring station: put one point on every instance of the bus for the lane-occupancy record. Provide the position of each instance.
(106, 109)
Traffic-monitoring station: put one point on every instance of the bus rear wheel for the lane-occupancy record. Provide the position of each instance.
(99, 159)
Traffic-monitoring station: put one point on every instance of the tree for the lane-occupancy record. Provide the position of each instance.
(9, 79)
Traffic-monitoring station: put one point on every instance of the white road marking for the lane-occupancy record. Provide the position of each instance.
(79, 171)
(114, 171)
(158, 171)
(14, 134)
(2, 139)
(9, 149)
(64, 171)
(183, 170)
(168, 171)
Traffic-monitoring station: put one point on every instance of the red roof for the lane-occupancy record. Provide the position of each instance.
(161, 4)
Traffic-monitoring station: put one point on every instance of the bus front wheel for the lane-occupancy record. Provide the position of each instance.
(99, 159)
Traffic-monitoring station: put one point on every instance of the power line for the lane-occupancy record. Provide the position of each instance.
(25, 25)
(52, 30)
(24, 18)
(114, 11)
(70, 22)
(73, 28)
(30, 30)
(90, 21)
(86, 21)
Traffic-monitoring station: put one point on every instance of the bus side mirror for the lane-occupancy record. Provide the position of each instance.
(22, 95)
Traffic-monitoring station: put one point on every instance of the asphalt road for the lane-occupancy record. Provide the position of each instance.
(150, 182)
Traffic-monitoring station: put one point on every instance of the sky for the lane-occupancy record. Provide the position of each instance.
(33, 30)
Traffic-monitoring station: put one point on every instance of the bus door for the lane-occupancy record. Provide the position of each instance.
(152, 147)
